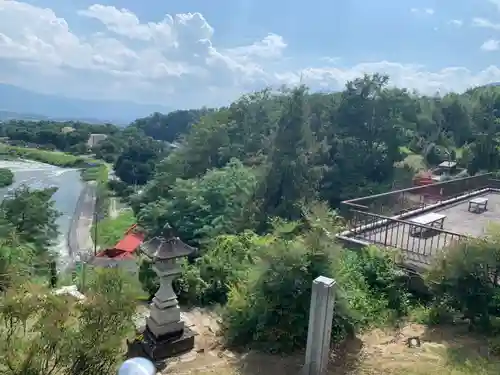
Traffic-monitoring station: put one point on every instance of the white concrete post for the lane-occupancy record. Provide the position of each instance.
(320, 325)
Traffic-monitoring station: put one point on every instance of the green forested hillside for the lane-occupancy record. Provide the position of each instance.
(304, 146)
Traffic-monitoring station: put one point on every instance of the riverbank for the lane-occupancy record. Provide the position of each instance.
(36, 175)
(92, 207)
(57, 158)
(91, 169)
(94, 175)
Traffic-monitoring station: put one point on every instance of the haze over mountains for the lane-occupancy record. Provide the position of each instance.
(18, 103)
(21, 104)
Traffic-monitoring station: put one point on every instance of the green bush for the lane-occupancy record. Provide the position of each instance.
(373, 285)
(120, 188)
(466, 281)
(6, 177)
(384, 278)
(225, 262)
(147, 277)
(270, 310)
(276, 293)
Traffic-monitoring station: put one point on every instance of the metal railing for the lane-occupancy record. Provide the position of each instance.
(379, 219)
(398, 202)
(419, 243)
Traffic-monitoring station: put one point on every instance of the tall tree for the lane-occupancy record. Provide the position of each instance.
(32, 215)
(136, 163)
(200, 208)
(292, 177)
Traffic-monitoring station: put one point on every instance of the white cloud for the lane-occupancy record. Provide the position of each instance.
(428, 11)
(457, 23)
(496, 3)
(490, 45)
(174, 61)
(482, 22)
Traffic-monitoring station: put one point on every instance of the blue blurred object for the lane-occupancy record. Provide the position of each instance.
(137, 366)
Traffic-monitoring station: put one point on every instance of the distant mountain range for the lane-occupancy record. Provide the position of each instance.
(18, 103)
(8, 115)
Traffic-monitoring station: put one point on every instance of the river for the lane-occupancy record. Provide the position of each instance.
(69, 186)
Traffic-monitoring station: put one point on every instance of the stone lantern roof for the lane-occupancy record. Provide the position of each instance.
(167, 246)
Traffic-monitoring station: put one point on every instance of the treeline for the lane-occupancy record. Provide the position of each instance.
(72, 136)
(290, 148)
(169, 127)
(130, 150)
(63, 136)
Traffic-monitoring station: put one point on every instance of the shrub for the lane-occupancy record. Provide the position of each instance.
(43, 333)
(147, 277)
(6, 177)
(120, 188)
(432, 315)
(276, 294)
(384, 278)
(225, 262)
(276, 297)
(466, 280)
(373, 285)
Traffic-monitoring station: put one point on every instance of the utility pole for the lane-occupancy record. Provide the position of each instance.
(84, 271)
(96, 217)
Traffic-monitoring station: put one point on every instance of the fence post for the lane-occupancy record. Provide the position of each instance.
(320, 326)
(386, 233)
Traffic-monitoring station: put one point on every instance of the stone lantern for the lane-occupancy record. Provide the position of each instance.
(165, 334)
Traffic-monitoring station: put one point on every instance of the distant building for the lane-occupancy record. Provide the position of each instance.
(448, 165)
(123, 254)
(94, 139)
(67, 129)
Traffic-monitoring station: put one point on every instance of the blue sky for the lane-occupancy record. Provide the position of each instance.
(197, 52)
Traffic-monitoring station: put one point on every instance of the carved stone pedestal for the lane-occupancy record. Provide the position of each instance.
(163, 347)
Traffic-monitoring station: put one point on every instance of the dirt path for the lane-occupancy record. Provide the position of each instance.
(113, 210)
(444, 351)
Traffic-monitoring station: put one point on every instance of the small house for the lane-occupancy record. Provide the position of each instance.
(94, 139)
(448, 166)
(123, 254)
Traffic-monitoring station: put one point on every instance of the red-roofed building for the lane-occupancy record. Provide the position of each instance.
(131, 242)
(123, 253)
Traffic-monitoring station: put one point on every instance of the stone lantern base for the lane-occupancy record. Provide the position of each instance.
(169, 345)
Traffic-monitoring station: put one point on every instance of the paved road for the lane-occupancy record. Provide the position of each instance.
(80, 242)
